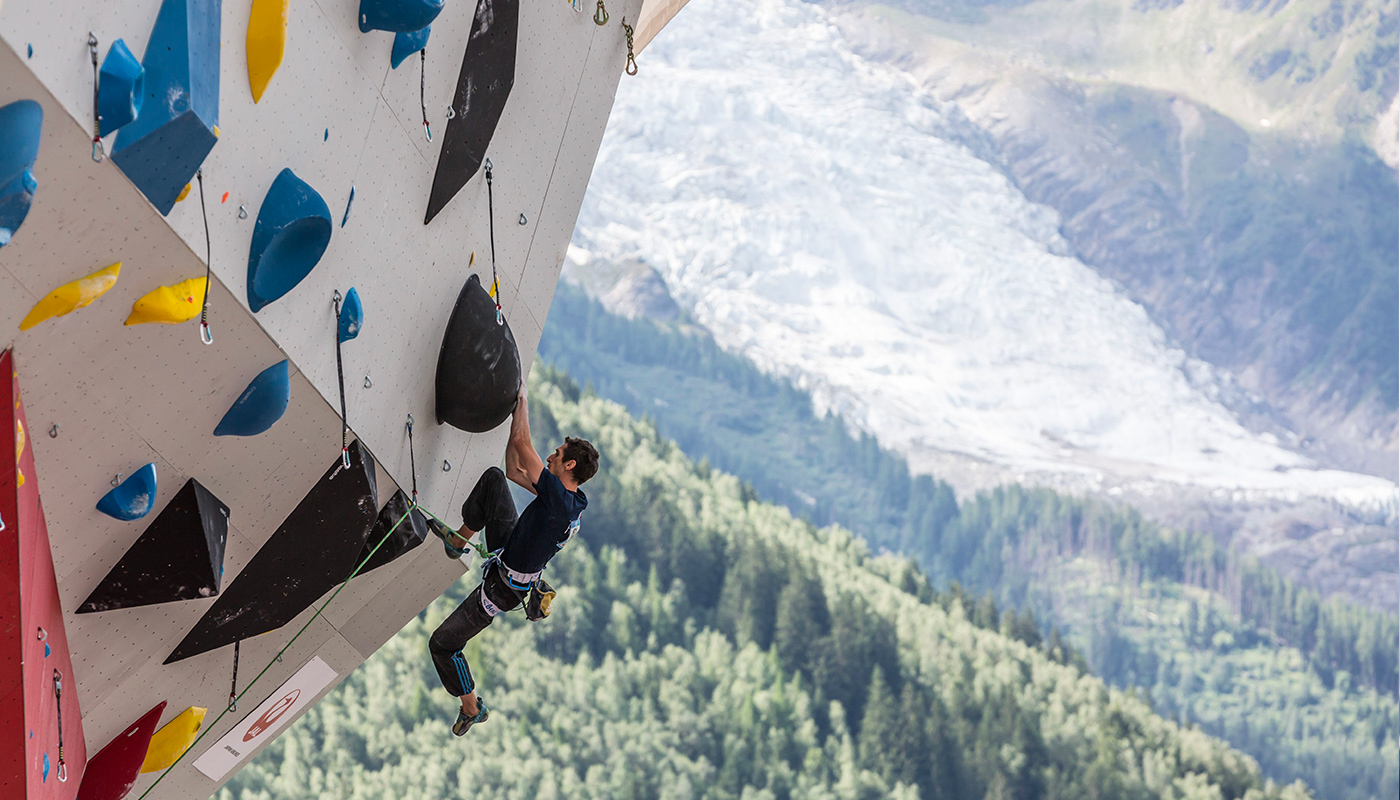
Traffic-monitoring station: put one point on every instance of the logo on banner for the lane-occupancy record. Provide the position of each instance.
(273, 714)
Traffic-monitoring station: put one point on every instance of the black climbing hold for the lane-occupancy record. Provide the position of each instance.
(409, 534)
(180, 556)
(312, 550)
(488, 72)
(478, 370)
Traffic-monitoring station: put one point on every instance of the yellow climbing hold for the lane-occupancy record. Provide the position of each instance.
(73, 295)
(185, 192)
(19, 440)
(169, 304)
(171, 741)
(267, 41)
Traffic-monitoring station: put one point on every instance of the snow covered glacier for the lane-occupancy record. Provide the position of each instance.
(824, 217)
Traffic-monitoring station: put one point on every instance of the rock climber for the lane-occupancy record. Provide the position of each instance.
(520, 547)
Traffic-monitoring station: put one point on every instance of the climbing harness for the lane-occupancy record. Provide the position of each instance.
(422, 98)
(97, 155)
(631, 68)
(233, 690)
(205, 335)
(491, 226)
(600, 17)
(58, 707)
(340, 376)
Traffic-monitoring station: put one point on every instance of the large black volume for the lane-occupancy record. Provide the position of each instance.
(312, 551)
(488, 73)
(180, 556)
(410, 533)
(478, 371)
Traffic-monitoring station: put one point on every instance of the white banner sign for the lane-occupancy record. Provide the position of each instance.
(281, 707)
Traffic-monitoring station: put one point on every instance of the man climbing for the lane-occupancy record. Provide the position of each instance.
(521, 547)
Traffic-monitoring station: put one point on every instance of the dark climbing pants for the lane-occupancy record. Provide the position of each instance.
(467, 621)
(491, 508)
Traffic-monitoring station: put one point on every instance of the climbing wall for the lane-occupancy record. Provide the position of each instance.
(106, 399)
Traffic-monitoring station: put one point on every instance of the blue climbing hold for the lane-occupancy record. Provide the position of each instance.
(349, 202)
(406, 44)
(134, 498)
(119, 93)
(46, 768)
(291, 235)
(163, 148)
(352, 317)
(398, 16)
(261, 404)
(48, 651)
(31, 51)
(20, 125)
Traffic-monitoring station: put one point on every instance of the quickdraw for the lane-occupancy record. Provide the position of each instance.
(491, 225)
(422, 95)
(205, 335)
(412, 467)
(58, 706)
(233, 690)
(97, 154)
(340, 377)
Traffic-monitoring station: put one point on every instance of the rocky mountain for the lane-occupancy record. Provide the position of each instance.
(822, 212)
(1230, 165)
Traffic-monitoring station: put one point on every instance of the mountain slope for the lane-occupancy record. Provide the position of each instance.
(1259, 233)
(831, 222)
(712, 646)
(1307, 687)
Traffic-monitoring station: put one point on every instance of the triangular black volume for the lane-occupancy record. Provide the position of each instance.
(180, 556)
(488, 72)
(311, 552)
(478, 371)
(409, 534)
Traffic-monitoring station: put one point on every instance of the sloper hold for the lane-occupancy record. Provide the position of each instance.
(173, 739)
(398, 16)
(180, 556)
(267, 42)
(21, 123)
(178, 125)
(120, 93)
(409, 534)
(488, 73)
(291, 235)
(261, 404)
(478, 370)
(133, 498)
(72, 296)
(352, 317)
(169, 305)
(312, 551)
(406, 44)
(33, 642)
(113, 771)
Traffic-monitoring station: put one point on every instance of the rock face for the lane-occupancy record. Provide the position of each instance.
(1274, 259)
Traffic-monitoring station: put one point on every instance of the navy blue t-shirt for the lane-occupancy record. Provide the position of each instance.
(546, 524)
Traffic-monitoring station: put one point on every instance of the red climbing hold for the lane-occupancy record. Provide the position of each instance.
(113, 771)
(225, 200)
(33, 645)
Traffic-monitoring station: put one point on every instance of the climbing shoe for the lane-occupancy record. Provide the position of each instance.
(464, 722)
(446, 534)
